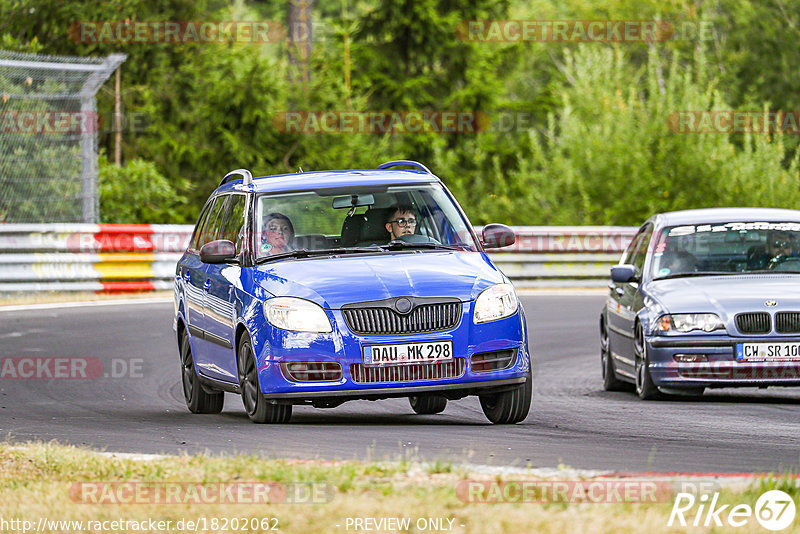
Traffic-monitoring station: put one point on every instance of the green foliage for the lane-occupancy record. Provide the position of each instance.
(607, 155)
(595, 147)
(137, 193)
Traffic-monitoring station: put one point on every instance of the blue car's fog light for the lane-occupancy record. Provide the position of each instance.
(492, 361)
(312, 371)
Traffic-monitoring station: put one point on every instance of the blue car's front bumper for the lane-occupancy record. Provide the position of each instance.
(276, 346)
(721, 368)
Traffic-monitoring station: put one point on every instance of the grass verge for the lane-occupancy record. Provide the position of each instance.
(50, 482)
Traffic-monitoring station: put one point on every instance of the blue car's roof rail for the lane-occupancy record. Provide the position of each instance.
(399, 162)
(247, 176)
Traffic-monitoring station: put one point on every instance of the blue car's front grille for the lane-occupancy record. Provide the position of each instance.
(787, 322)
(386, 321)
(365, 374)
(753, 323)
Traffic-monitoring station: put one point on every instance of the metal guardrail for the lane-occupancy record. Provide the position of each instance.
(90, 257)
(116, 258)
(563, 256)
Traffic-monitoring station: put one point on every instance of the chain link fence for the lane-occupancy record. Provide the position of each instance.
(48, 136)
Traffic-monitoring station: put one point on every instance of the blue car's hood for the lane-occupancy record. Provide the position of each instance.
(727, 295)
(332, 282)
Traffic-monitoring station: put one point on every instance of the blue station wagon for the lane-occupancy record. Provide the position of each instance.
(315, 288)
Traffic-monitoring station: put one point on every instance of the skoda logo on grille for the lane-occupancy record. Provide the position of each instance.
(771, 303)
(402, 305)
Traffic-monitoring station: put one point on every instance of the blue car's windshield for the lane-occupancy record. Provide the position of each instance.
(420, 215)
(733, 247)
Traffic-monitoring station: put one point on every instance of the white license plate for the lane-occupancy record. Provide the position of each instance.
(768, 352)
(433, 351)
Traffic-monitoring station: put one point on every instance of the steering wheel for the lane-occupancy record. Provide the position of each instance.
(784, 263)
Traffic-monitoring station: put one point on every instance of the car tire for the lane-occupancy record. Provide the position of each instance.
(645, 387)
(198, 400)
(608, 369)
(257, 408)
(428, 404)
(509, 407)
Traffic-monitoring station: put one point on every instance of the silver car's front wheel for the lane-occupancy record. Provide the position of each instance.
(645, 387)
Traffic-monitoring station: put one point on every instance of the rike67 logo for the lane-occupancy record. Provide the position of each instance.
(774, 510)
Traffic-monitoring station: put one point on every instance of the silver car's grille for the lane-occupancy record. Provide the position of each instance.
(753, 323)
(386, 321)
(787, 322)
(365, 374)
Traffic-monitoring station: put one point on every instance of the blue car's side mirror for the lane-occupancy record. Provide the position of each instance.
(497, 236)
(219, 251)
(624, 274)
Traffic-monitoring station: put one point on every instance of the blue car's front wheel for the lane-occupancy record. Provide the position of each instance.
(509, 407)
(257, 408)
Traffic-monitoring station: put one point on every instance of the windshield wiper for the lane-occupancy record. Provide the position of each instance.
(698, 273)
(400, 245)
(306, 253)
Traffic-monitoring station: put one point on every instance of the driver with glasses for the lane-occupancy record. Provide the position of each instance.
(402, 221)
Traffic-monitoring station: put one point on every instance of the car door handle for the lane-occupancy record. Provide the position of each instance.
(207, 284)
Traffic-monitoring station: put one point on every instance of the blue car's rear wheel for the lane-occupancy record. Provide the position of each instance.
(428, 404)
(509, 407)
(198, 400)
(257, 408)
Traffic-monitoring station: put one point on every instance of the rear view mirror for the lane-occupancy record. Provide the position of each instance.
(497, 236)
(624, 274)
(353, 201)
(219, 251)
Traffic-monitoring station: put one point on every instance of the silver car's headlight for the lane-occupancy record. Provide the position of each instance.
(494, 303)
(290, 313)
(686, 322)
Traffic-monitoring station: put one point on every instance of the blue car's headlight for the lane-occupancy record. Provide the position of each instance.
(494, 303)
(686, 322)
(290, 313)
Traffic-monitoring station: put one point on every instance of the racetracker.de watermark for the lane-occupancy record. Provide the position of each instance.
(565, 491)
(402, 122)
(734, 121)
(177, 31)
(381, 122)
(201, 493)
(581, 31)
(69, 122)
(69, 368)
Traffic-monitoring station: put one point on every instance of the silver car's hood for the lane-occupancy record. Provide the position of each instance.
(727, 295)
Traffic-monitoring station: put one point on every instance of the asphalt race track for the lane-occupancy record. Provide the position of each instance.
(138, 406)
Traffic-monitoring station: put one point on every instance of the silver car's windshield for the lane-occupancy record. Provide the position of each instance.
(726, 247)
(357, 218)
